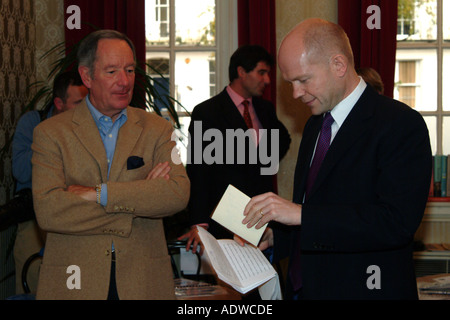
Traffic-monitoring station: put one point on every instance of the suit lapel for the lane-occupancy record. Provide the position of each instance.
(230, 113)
(261, 113)
(129, 134)
(87, 132)
(305, 156)
(354, 127)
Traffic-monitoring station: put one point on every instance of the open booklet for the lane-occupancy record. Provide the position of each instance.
(230, 213)
(243, 268)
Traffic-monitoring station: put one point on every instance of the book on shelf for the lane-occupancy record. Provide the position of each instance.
(444, 173)
(244, 268)
(440, 183)
(437, 289)
(440, 285)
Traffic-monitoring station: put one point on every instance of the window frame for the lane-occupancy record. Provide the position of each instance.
(439, 45)
(226, 44)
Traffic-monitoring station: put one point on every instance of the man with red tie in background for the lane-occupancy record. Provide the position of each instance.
(238, 107)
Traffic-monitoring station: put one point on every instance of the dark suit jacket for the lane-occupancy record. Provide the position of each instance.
(367, 202)
(209, 181)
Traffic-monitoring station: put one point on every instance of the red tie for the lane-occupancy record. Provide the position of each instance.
(247, 118)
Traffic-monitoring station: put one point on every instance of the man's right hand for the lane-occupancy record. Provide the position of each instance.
(192, 239)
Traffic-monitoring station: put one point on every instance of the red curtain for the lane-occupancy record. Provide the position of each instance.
(256, 25)
(374, 48)
(127, 16)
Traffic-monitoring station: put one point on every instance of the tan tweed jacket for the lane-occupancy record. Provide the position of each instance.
(68, 150)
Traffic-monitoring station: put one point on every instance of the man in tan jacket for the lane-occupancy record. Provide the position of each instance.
(103, 179)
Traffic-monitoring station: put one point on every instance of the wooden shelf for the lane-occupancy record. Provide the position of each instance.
(437, 210)
(434, 233)
(438, 199)
(435, 226)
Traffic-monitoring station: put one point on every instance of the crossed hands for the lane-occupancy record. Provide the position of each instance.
(161, 170)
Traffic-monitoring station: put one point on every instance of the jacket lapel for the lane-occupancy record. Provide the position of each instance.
(262, 113)
(129, 134)
(87, 132)
(231, 113)
(305, 156)
(352, 129)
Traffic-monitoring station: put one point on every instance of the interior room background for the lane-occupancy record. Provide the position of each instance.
(28, 28)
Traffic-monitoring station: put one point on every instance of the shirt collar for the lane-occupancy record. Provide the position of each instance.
(343, 108)
(235, 97)
(98, 115)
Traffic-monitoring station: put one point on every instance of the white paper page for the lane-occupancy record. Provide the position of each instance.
(271, 290)
(249, 263)
(217, 257)
(230, 213)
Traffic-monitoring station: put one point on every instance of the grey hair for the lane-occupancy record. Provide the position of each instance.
(87, 51)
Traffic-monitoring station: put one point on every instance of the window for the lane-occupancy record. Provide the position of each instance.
(162, 18)
(406, 82)
(189, 44)
(423, 65)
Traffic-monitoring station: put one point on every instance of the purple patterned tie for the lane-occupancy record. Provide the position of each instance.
(321, 149)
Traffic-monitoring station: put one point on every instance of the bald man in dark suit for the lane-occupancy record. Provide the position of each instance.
(352, 226)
